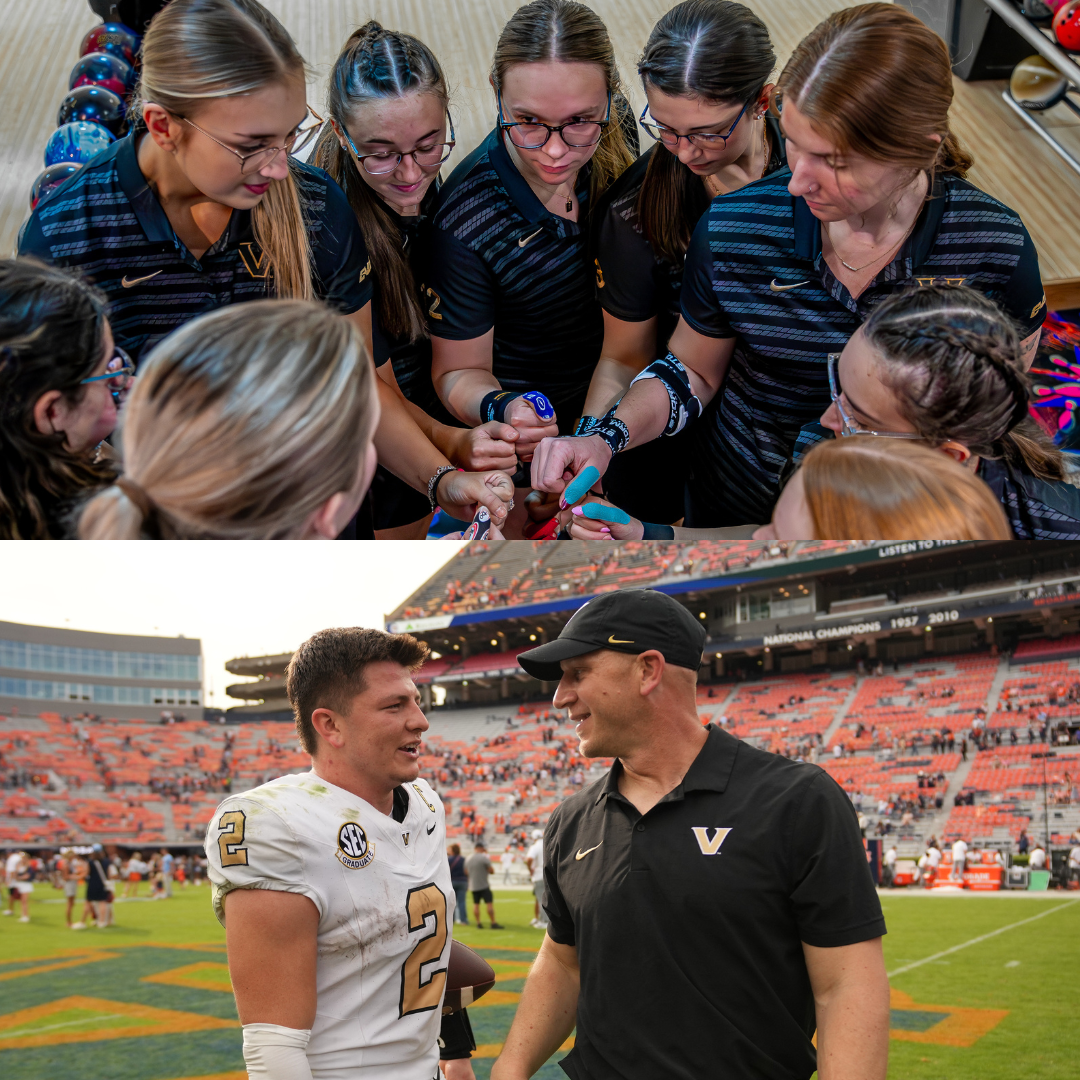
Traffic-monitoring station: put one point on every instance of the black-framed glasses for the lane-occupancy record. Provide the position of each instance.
(118, 372)
(671, 138)
(427, 157)
(848, 424)
(260, 159)
(533, 135)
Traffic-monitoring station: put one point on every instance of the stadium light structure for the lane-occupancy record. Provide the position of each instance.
(1046, 799)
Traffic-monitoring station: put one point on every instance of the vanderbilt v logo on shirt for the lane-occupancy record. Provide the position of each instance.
(709, 846)
(256, 261)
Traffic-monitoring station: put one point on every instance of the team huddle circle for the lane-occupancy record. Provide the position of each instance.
(769, 305)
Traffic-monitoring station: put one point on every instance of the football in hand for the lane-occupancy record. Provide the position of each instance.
(468, 977)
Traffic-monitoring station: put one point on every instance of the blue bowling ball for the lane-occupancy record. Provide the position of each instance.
(103, 69)
(95, 105)
(50, 179)
(112, 37)
(79, 141)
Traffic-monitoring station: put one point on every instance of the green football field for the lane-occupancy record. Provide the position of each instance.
(984, 987)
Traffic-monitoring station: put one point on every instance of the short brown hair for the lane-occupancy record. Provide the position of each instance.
(327, 671)
(878, 80)
(868, 488)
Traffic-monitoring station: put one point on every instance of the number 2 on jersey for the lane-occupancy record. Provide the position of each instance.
(418, 995)
(231, 837)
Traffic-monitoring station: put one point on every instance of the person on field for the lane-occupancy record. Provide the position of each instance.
(711, 911)
(479, 868)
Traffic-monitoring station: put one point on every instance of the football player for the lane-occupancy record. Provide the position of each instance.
(333, 885)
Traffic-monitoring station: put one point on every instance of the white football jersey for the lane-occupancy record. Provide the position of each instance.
(381, 887)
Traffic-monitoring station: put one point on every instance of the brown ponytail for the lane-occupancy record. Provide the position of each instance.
(571, 33)
(878, 81)
(377, 63)
(195, 50)
(717, 50)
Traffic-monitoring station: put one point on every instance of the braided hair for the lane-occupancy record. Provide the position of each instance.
(378, 63)
(954, 361)
(52, 328)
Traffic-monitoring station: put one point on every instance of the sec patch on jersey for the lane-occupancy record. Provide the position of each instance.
(354, 850)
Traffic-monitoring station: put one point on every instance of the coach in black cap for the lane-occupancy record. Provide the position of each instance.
(709, 904)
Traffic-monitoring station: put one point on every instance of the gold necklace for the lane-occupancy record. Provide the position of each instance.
(857, 269)
(710, 180)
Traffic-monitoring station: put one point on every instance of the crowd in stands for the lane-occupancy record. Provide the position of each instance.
(548, 569)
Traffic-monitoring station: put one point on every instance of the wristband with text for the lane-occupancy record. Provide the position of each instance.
(684, 404)
(657, 532)
(613, 431)
(585, 424)
(493, 407)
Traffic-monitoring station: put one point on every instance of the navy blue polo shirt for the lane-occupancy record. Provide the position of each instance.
(759, 238)
(500, 259)
(107, 223)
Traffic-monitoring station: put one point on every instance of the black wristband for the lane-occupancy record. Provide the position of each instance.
(493, 407)
(657, 532)
(456, 1037)
(613, 431)
(585, 424)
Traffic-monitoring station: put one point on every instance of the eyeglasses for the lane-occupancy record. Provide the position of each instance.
(671, 138)
(848, 424)
(294, 143)
(427, 157)
(532, 136)
(118, 372)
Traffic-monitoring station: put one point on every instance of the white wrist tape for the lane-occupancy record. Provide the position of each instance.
(273, 1052)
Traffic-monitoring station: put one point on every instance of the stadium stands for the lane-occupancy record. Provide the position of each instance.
(941, 746)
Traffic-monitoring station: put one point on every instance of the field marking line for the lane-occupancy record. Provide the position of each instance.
(982, 937)
(16, 1033)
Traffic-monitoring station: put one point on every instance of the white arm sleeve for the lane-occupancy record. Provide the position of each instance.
(273, 1052)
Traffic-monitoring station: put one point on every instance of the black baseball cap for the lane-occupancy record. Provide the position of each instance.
(632, 621)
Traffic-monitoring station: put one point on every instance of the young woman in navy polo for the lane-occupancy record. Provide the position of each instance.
(203, 206)
(783, 272)
(705, 72)
(516, 329)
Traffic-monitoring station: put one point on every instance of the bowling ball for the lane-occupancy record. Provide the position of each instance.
(1067, 26)
(78, 141)
(1053, 5)
(114, 38)
(103, 69)
(134, 13)
(1037, 11)
(94, 104)
(52, 178)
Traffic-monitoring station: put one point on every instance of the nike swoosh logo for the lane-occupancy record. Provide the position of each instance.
(522, 243)
(784, 288)
(129, 282)
(613, 640)
(432, 829)
(581, 854)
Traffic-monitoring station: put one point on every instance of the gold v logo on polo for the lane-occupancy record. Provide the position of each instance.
(257, 265)
(128, 283)
(613, 640)
(709, 846)
(522, 243)
(364, 273)
(777, 287)
(581, 854)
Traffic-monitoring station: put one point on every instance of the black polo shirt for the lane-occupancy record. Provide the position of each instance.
(758, 238)
(688, 921)
(107, 223)
(500, 259)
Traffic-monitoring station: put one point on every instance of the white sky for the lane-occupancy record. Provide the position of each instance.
(245, 598)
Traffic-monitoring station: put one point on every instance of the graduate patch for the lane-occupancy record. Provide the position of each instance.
(354, 850)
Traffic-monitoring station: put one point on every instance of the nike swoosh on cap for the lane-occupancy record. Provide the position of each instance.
(127, 282)
(522, 243)
(784, 288)
(613, 640)
(581, 854)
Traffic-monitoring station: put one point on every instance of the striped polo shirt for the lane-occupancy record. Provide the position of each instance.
(500, 259)
(755, 271)
(107, 223)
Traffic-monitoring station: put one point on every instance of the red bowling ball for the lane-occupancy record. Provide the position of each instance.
(114, 38)
(1067, 26)
(105, 70)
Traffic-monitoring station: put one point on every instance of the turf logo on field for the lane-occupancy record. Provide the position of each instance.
(945, 1025)
(354, 849)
